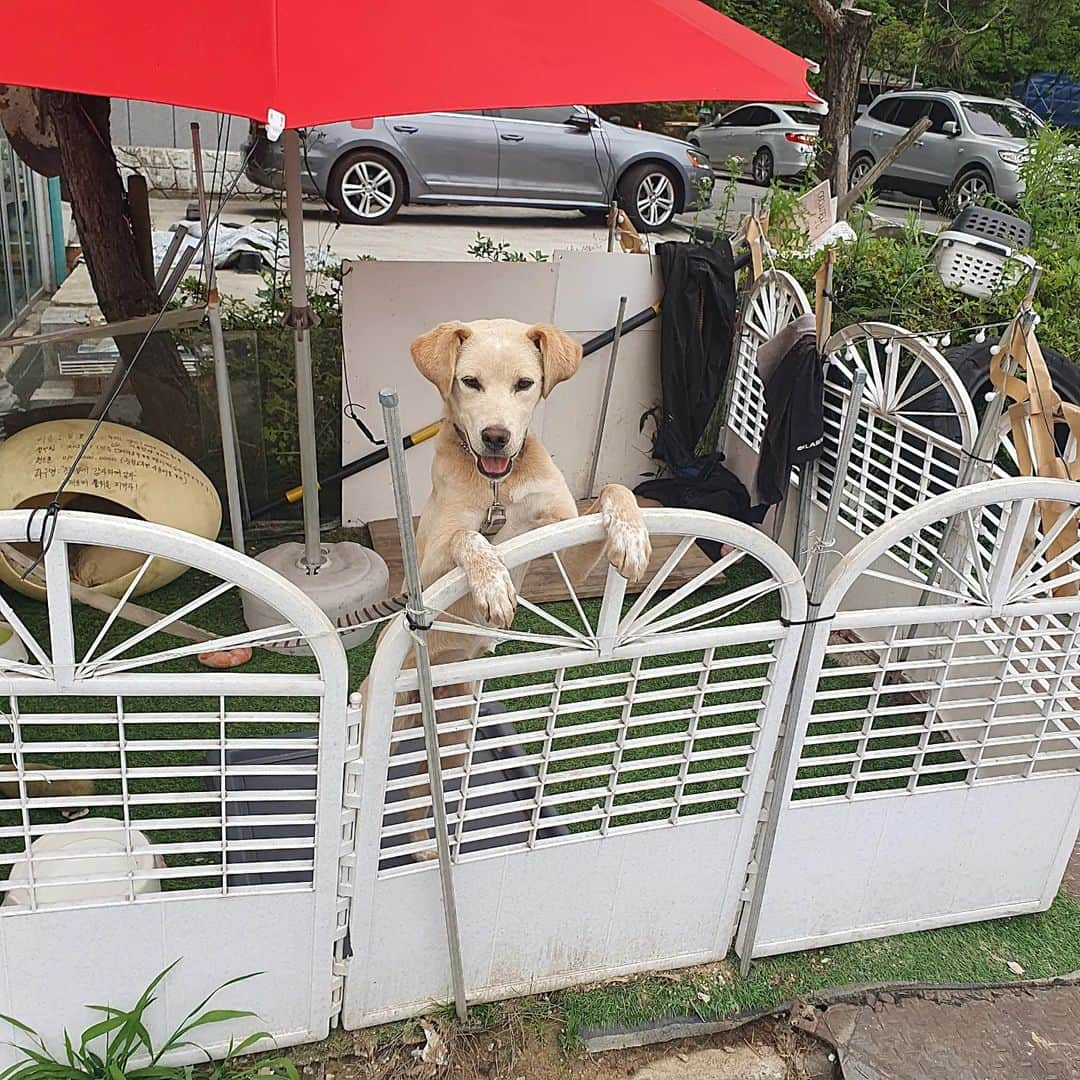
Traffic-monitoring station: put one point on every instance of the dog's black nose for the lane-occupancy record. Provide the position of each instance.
(495, 438)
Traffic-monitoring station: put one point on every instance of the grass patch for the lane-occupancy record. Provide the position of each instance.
(1045, 945)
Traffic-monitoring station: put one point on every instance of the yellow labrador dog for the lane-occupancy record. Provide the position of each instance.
(491, 477)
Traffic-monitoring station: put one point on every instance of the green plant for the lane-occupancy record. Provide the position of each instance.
(129, 1052)
(485, 247)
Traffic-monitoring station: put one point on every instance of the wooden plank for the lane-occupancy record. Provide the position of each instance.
(544, 583)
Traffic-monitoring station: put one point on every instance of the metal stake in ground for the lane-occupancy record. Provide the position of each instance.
(607, 397)
(420, 620)
(777, 794)
(226, 416)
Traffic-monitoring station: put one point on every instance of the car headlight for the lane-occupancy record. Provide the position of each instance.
(1012, 157)
(697, 159)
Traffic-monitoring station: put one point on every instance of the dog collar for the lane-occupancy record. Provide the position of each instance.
(495, 516)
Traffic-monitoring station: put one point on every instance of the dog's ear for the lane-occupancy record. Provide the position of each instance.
(560, 354)
(435, 353)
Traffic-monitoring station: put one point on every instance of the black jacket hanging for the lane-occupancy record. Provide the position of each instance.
(791, 370)
(697, 321)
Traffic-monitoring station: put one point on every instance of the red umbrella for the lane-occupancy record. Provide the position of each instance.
(294, 63)
(340, 59)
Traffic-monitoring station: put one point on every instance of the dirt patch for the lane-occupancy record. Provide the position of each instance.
(518, 1046)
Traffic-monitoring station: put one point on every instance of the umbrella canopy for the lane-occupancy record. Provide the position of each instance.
(344, 59)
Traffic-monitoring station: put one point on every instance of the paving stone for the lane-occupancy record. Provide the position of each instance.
(1028, 1034)
(740, 1062)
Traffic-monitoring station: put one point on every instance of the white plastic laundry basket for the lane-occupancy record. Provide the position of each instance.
(978, 267)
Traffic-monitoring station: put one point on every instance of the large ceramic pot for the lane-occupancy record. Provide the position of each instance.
(124, 472)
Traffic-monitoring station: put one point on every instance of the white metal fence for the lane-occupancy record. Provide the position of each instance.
(937, 741)
(604, 773)
(214, 797)
(606, 770)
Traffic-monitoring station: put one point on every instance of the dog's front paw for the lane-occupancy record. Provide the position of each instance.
(495, 595)
(492, 587)
(628, 546)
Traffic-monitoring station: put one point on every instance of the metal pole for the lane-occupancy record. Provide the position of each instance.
(301, 320)
(607, 396)
(781, 764)
(613, 224)
(420, 620)
(226, 417)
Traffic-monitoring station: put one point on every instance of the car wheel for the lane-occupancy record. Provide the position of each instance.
(762, 167)
(862, 164)
(649, 195)
(366, 188)
(969, 187)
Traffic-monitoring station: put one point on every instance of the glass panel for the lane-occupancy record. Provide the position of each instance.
(11, 237)
(24, 186)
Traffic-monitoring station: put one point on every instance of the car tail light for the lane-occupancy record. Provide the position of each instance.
(799, 137)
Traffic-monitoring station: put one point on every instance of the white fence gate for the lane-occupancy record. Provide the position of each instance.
(601, 816)
(937, 772)
(220, 791)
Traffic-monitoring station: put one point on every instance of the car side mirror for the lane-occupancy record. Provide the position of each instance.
(581, 121)
(951, 128)
(614, 119)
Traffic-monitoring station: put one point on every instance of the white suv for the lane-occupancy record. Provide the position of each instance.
(973, 148)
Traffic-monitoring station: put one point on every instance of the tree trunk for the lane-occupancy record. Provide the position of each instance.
(847, 37)
(96, 191)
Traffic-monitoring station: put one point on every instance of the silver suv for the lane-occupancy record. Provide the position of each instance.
(563, 157)
(974, 146)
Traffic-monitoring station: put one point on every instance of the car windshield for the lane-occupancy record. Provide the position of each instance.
(805, 116)
(1000, 120)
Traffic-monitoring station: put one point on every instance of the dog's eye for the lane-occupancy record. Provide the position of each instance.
(523, 384)
(471, 382)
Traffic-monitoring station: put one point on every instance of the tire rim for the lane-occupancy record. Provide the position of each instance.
(858, 171)
(656, 199)
(762, 168)
(368, 189)
(970, 189)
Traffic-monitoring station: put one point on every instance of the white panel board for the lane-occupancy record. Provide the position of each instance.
(587, 304)
(910, 862)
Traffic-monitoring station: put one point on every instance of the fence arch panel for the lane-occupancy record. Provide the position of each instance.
(775, 300)
(604, 772)
(936, 778)
(213, 797)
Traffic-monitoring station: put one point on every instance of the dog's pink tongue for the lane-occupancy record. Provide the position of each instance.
(495, 466)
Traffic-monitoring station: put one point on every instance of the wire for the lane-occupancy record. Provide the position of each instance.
(52, 509)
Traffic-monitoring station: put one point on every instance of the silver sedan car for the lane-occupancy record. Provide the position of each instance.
(768, 140)
(564, 157)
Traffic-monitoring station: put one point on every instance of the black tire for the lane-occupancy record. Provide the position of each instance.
(860, 164)
(761, 168)
(632, 193)
(972, 363)
(958, 196)
(387, 187)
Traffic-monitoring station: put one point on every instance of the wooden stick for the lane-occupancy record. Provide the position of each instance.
(135, 613)
(846, 202)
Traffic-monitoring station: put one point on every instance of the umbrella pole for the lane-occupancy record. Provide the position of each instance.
(301, 320)
(226, 416)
